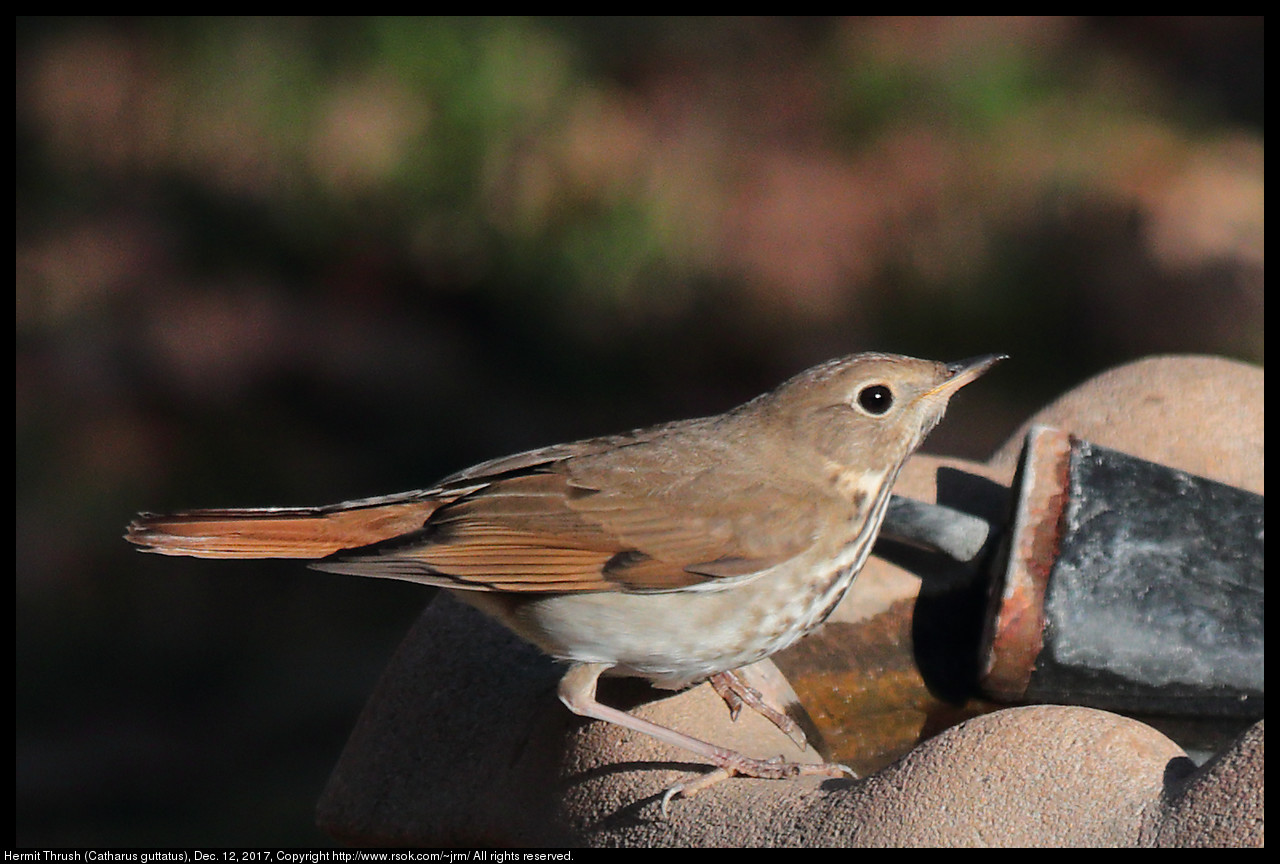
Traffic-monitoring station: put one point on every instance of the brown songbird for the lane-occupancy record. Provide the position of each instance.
(675, 553)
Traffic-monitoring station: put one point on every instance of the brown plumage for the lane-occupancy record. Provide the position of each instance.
(675, 553)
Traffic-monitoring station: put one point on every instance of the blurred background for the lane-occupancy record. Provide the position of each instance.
(295, 261)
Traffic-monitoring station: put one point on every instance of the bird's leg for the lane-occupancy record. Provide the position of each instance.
(578, 692)
(736, 692)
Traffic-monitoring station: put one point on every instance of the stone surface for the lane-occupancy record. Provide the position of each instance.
(1203, 415)
(1042, 775)
(1219, 805)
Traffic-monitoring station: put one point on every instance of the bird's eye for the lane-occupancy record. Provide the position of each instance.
(875, 399)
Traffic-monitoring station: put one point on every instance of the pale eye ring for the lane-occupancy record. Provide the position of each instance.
(875, 399)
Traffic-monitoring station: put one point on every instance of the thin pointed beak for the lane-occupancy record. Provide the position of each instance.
(965, 371)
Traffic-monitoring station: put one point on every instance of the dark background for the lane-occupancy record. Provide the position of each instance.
(293, 261)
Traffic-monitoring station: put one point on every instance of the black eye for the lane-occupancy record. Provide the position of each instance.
(875, 399)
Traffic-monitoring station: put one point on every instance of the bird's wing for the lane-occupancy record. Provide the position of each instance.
(596, 524)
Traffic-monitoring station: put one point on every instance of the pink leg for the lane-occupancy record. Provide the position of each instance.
(578, 693)
(736, 692)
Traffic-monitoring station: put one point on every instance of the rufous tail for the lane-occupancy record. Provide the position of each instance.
(279, 532)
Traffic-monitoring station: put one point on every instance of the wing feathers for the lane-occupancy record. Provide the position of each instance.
(523, 529)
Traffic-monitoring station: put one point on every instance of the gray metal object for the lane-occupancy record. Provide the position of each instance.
(958, 535)
(1117, 583)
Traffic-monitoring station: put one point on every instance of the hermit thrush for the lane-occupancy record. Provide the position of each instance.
(675, 553)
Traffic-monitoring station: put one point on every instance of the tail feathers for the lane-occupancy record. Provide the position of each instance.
(277, 532)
